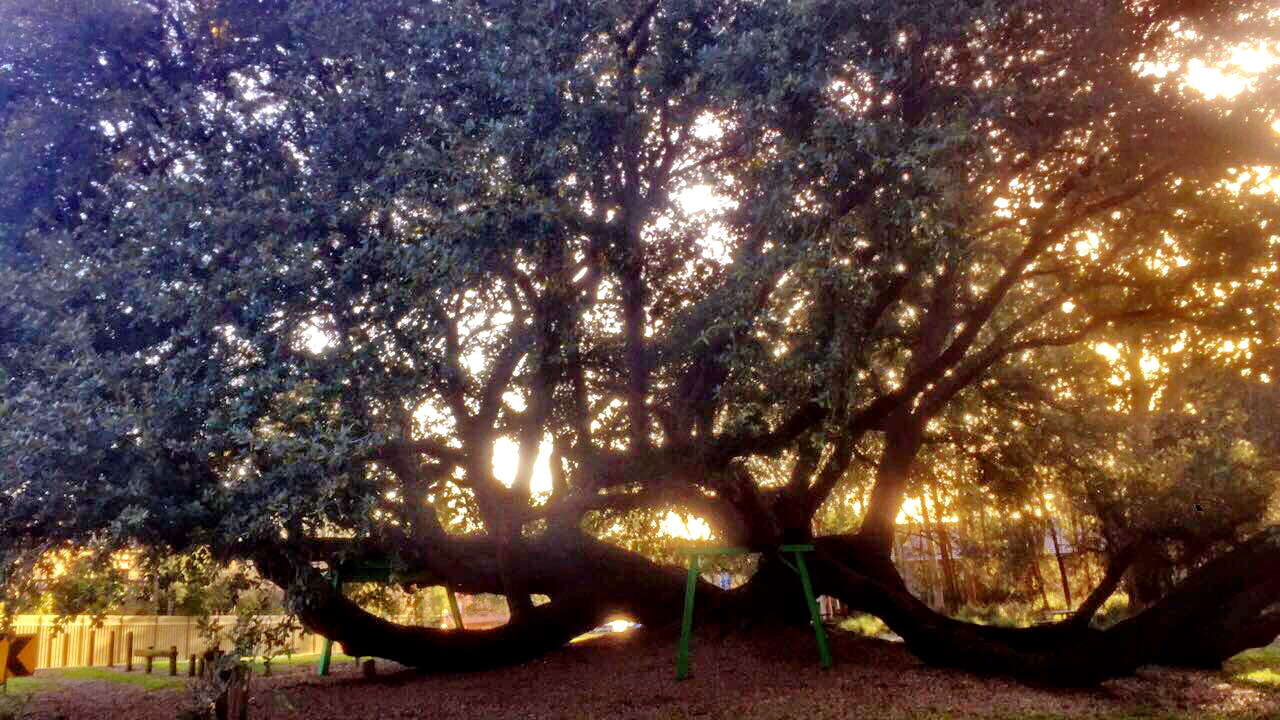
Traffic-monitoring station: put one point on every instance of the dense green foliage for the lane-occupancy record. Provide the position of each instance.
(278, 271)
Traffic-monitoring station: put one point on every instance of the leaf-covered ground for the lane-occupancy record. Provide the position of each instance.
(770, 676)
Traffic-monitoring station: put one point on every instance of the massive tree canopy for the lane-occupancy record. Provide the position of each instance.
(449, 282)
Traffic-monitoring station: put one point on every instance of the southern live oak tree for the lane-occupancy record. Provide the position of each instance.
(282, 277)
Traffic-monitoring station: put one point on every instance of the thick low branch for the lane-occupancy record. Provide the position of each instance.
(1226, 606)
(587, 581)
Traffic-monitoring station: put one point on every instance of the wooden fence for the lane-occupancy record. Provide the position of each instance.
(81, 643)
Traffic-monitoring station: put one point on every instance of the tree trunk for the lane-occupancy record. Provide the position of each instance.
(902, 444)
(951, 586)
(1150, 577)
(1057, 552)
(1037, 583)
(1077, 528)
(519, 601)
(1110, 581)
(964, 564)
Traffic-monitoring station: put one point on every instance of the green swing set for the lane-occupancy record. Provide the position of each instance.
(686, 626)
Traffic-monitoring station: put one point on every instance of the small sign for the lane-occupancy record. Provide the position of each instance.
(19, 655)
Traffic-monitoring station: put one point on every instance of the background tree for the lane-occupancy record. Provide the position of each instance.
(313, 281)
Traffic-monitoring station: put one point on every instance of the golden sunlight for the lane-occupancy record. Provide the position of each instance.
(685, 527)
(506, 462)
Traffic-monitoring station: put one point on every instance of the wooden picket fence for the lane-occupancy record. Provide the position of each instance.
(81, 643)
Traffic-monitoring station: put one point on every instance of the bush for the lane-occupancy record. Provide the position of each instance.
(868, 625)
(1115, 609)
(1002, 615)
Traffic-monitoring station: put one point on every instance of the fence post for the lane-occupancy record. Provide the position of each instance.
(93, 637)
(111, 649)
(66, 647)
(173, 661)
(46, 643)
(128, 651)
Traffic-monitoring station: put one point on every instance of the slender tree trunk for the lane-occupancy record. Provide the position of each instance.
(1057, 551)
(1110, 581)
(1062, 567)
(1039, 580)
(1086, 561)
(951, 586)
(964, 563)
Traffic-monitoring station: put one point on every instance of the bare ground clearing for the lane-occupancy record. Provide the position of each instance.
(743, 676)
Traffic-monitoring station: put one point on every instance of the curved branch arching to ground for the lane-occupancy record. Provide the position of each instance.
(1226, 606)
(588, 582)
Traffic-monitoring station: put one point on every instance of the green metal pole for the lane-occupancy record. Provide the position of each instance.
(453, 607)
(824, 654)
(686, 624)
(327, 654)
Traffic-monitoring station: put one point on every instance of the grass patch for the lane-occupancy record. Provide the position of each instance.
(312, 659)
(155, 681)
(281, 661)
(1259, 667)
(868, 625)
(30, 685)
(1006, 615)
(1115, 609)
(52, 680)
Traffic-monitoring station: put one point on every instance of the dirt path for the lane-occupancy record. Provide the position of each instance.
(742, 678)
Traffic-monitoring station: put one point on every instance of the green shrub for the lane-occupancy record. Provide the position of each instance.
(1115, 609)
(1002, 615)
(868, 625)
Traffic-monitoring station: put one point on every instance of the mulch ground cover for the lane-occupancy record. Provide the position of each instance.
(741, 676)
